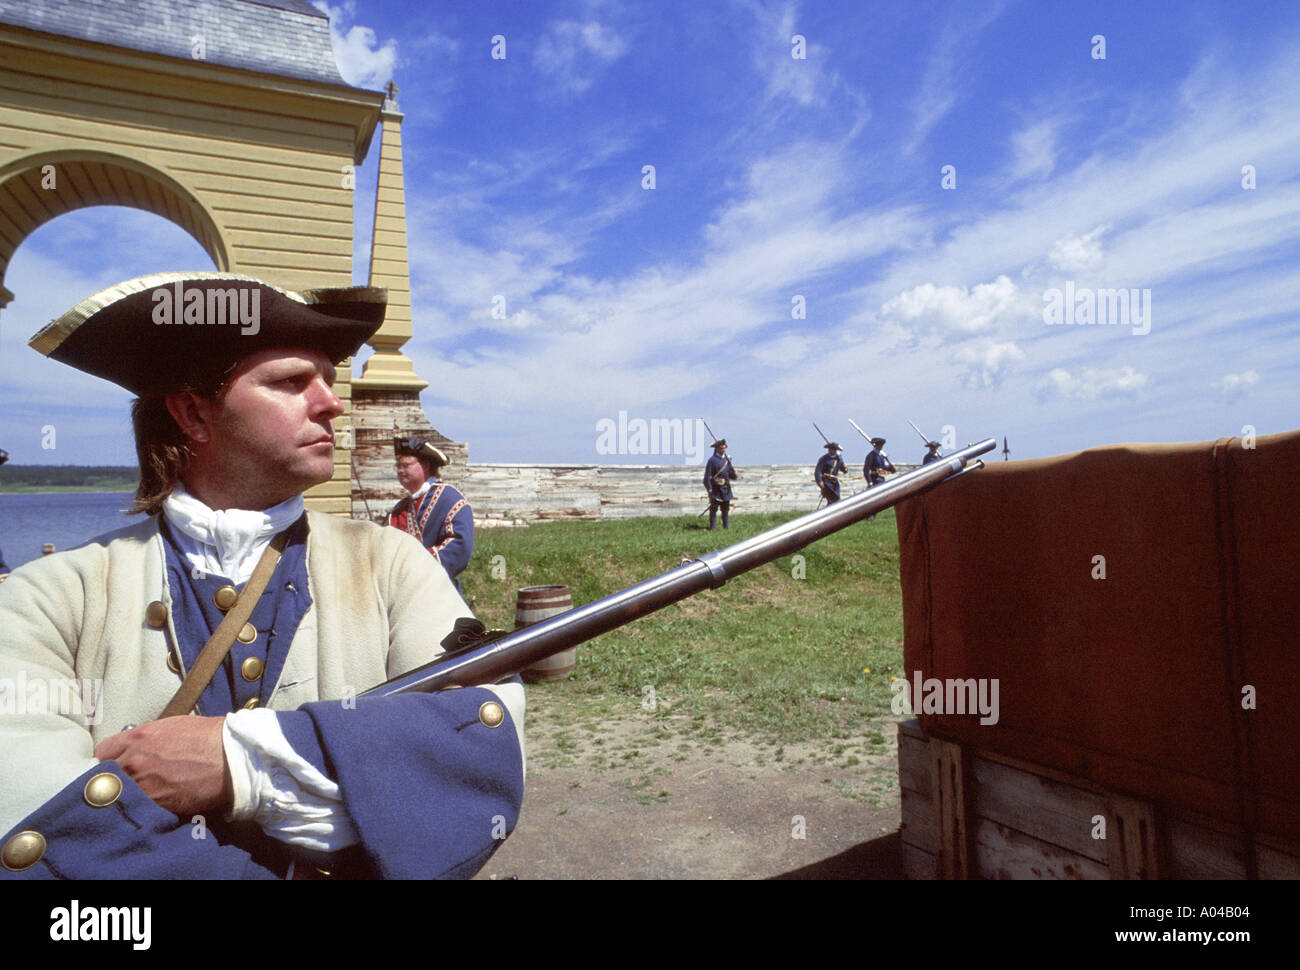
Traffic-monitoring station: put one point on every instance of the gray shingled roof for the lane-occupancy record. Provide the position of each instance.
(286, 37)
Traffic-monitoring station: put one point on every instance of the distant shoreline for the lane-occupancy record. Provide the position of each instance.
(54, 479)
(54, 489)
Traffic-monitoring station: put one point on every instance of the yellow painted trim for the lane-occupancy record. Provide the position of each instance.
(35, 159)
(317, 99)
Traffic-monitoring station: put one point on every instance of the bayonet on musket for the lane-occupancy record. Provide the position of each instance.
(868, 437)
(481, 658)
(918, 431)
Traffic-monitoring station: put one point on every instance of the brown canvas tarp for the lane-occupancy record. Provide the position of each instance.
(1136, 680)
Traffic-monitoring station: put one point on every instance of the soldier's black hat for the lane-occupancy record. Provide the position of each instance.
(932, 445)
(877, 441)
(419, 448)
(832, 446)
(170, 329)
(719, 443)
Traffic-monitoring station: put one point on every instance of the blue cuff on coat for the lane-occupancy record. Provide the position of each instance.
(433, 782)
(103, 826)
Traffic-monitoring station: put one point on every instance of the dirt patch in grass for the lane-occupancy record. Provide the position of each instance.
(672, 797)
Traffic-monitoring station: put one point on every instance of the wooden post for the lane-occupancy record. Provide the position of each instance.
(1131, 840)
(949, 782)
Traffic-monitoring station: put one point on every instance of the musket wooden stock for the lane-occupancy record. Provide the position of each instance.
(492, 660)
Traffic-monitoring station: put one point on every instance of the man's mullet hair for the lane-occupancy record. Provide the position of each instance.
(161, 447)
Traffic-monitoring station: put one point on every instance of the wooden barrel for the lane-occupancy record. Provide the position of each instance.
(536, 603)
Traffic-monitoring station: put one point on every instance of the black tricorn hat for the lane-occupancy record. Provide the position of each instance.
(721, 442)
(877, 441)
(932, 444)
(419, 448)
(170, 329)
(832, 446)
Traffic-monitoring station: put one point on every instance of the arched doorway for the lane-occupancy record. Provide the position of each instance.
(43, 185)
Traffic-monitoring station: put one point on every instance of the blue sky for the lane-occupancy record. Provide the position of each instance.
(777, 178)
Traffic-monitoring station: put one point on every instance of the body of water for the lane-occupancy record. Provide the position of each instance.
(67, 519)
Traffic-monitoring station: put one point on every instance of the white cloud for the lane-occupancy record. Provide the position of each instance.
(1093, 383)
(1034, 151)
(954, 310)
(787, 76)
(987, 361)
(572, 54)
(942, 82)
(362, 60)
(1233, 386)
(654, 335)
(1075, 253)
(783, 351)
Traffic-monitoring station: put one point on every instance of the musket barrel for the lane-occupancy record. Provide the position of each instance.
(523, 648)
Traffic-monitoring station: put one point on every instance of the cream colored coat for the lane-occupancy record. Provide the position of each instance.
(380, 606)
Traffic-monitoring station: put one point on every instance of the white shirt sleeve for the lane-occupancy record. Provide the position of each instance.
(280, 790)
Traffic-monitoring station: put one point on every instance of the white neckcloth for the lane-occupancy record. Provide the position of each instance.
(229, 542)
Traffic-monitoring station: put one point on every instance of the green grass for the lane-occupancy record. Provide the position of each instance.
(768, 654)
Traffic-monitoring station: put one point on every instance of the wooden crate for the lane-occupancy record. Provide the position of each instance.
(970, 814)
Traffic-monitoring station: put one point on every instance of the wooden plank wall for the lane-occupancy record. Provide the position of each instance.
(1030, 822)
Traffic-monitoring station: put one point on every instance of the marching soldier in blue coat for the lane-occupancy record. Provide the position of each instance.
(932, 454)
(718, 475)
(434, 512)
(281, 770)
(877, 463)
(827, 472)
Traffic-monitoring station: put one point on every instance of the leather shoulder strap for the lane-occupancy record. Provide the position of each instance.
(214, 651)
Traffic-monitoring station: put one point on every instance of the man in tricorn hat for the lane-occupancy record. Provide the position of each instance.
(433, 511)
(877, 463)
(718, 475)
(827, 473)
(284, 771)
(932, 452)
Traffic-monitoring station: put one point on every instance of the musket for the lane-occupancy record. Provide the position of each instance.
(726, 458)
(825, 475)
(873, 445)
(868, 437)
(923, 437)
(476, 657)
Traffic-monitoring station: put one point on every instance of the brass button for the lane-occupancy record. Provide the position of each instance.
(247, 633)
(23, 851)
(102, 790)
(491, 714)
(155, 614)
(225, 597)
(173, 664)
(251, 703)
(251, 669)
